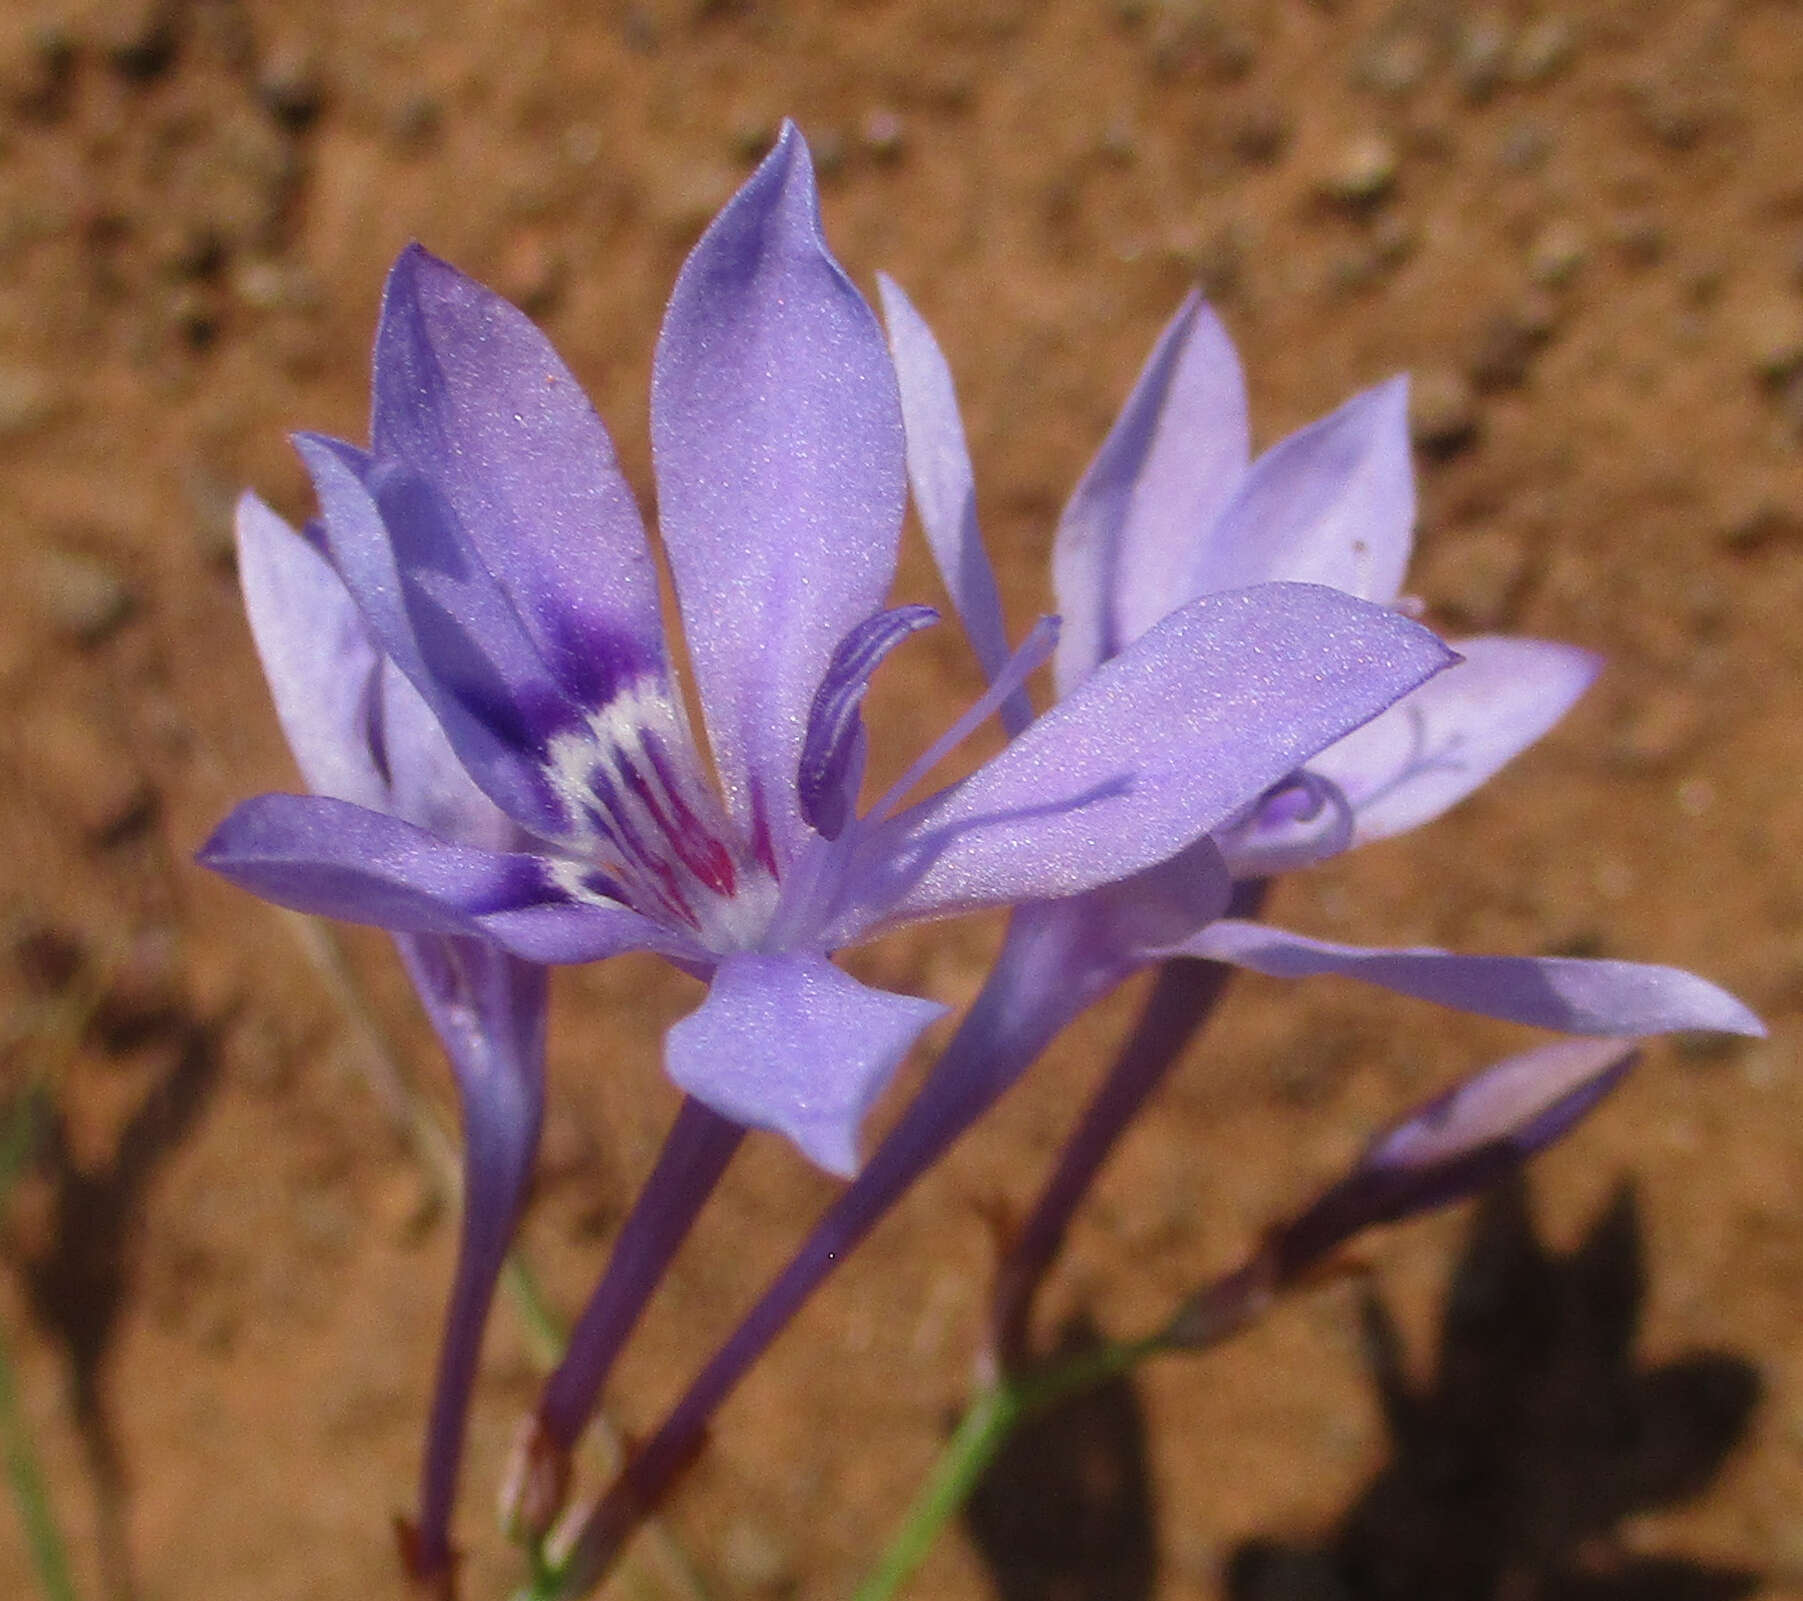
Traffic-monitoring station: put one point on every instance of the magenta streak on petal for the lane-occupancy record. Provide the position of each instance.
(643, 872)
(711, 861)
(832, 752)
(652, 822)
(700, 853)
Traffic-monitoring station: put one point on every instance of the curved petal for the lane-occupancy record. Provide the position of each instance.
(442, 620)
(1164, 742)
(1525, 1101)
(1566, 993)
(944, 486)
(1129, 541)
(1459, 1143)
(777, 438)
(469, 394)
(792, 1044)
(332, 859)
(316, 653)
(1302, 819)
(1131, 923)
(1434, 747)
(832, 753)
(1333, 504)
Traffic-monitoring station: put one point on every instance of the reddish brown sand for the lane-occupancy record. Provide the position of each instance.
(1587, 242)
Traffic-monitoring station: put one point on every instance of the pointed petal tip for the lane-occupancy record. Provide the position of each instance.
(1738, 1018)
(250, 504)
(830, 1147)
(404, 276)
(415, 262)
(254, 521)
(789, 165)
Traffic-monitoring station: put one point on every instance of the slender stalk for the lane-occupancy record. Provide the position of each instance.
(979, 1438)
(980, 1435)
(1005, 1030)
(49, 1556)
(429, 1138)
(695, 1155)
(1183, 997)
(31, 1495)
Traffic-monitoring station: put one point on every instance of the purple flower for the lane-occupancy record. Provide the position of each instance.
(1457, 1145)
(1460, 1142)
(361, 735)
(493, 552)
(1172, 509)
(1171, 517)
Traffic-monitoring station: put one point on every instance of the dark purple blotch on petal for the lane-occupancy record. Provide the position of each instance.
(469, 394)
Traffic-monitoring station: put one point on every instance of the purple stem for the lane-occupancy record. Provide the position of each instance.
(1012, 1021)
(1182, 998)
(488, 1011)
(494, 1178)
(1184, 995)
(696, 1151)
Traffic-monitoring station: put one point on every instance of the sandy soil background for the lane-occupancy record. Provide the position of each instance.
(1581, 229)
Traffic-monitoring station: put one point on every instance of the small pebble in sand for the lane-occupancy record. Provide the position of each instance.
(1480, 54)
(755, 1562)
(1363, 171)
(1773, 337)
(1542, 51)
(1558, 251)
(289, 84)
(1504, 350)
(28, 400)
(883, 134)
(82, 596)
(1443, 411)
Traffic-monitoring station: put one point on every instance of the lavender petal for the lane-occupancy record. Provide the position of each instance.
(1459, 1143)
(792, 1044)
(1565, 993)
(1127, 544)
(316, 653)
(1162, 743)
(945, 493)
(777, 439)
(1434, 747)
(427, 785)
(1333, 504)
(487, 711)
(332, 859)
(471, 396)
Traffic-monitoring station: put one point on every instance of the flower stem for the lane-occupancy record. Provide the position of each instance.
(49, 1556)
(1182, 998)
(995, 1414)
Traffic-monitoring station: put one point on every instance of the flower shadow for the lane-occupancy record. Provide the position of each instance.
(1066, 1511)
(1512, 1470)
